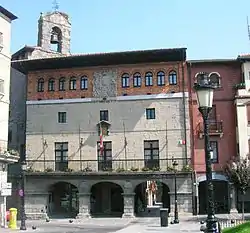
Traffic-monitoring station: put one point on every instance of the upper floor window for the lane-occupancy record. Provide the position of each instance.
(215, 79)
(72, 83)
(151, 154)
(137, 80)
(1, 86)
(84, 83)
(150, 113)
(1, 40)
(62, 84)
(149, 79)
(61, 156)
(160, 78)
(51, 84)
(214, 151)
(172, 77)
(125, 80)
(104, 156)
(62, 117)
(104, 115)
(40, 85)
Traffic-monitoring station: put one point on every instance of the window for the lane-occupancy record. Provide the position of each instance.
(172, 78)
(1, 86)
(51, 85)
(61, 156)
(84, 83)
(149, 79)
(151, 154)
(104, 115)
(72, 83)
(40, 85)
(214, 151)
(137, 79)
(150, 113)
(104, 156)
(62, 117)
(62, 84)
(161, 78)
(125, 80)
(215, 79)
(1, 40)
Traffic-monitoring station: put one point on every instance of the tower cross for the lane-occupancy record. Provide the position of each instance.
(55, 5)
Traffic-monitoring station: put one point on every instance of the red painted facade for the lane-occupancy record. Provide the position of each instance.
(223, 132)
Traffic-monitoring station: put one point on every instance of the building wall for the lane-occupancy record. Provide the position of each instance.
(126, 112)
(5, 29)
(225, 111)
(104, 77)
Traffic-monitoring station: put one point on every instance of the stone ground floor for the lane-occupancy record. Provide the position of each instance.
(102, 195)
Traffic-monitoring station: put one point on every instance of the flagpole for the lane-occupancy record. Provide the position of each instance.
(125, 146)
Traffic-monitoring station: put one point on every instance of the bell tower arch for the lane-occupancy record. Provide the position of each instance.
(54, 32)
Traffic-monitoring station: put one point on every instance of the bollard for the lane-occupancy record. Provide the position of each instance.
(164, 217)
(13, 218)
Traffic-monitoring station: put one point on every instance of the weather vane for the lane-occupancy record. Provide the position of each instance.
(55, 5)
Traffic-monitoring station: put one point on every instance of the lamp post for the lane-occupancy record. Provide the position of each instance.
(22, 195)
(204, 91)
(176, 219)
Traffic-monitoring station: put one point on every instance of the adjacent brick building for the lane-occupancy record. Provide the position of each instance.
(225, 75)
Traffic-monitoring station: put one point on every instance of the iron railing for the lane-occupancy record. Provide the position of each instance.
(214, 127)
(116, 165)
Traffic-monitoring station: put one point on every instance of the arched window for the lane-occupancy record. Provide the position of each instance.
(51, 84)
(72, 83)
(84, 82)
(125, 80)
(137, 79)
(62, 84)
(148, 79)
(160, 78)
(215, 79)
(40, 85)
(172, 77)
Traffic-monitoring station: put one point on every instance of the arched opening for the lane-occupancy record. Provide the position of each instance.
(221, 194)
(56, 39)
(63, 200)
(106, 200)
(150, 194)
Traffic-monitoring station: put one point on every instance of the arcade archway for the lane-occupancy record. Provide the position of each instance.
(106, 200)
(63, 200)
(150, 193)
(221, 194)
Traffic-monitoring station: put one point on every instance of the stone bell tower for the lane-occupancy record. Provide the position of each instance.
(54, 32)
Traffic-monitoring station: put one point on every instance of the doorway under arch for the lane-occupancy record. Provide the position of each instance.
(63, 200)
(141, 197)
(106, 200)
(221, 192)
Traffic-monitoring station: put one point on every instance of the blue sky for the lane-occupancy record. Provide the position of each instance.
(207, 28)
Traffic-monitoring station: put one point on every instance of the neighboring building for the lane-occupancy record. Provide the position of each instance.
(225, 75)
(101, 125)
(53, 40)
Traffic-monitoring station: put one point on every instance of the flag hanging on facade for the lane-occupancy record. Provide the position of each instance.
(101, 140)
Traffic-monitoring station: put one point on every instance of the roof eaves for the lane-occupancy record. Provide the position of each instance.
(7, 13)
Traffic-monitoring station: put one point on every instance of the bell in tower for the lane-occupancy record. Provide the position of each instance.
(54, 38)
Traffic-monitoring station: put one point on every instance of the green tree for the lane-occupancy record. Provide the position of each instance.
(238, 173)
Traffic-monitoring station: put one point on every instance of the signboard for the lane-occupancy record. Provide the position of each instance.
(6, 192)
(6, 185)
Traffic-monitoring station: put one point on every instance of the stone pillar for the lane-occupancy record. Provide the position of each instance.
(84, 205)
(233, 208)
(128, 205)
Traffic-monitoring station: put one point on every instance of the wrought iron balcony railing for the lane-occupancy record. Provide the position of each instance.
(116, 165)
(215, 129)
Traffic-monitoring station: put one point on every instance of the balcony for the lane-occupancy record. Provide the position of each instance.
(215, 129)
(114, 166)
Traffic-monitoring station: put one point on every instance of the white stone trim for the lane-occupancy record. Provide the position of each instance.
(118, 98)
(215, 176)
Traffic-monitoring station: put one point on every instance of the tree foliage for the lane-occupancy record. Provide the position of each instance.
(238, 173)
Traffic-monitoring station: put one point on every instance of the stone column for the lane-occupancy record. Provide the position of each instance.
(233, 208)
(84, 205)
(128, 205)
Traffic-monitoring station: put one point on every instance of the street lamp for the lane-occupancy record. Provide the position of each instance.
(22, 195)
(176, 219)
(204, 91)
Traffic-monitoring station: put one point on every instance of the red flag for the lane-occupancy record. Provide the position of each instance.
(101, 141)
